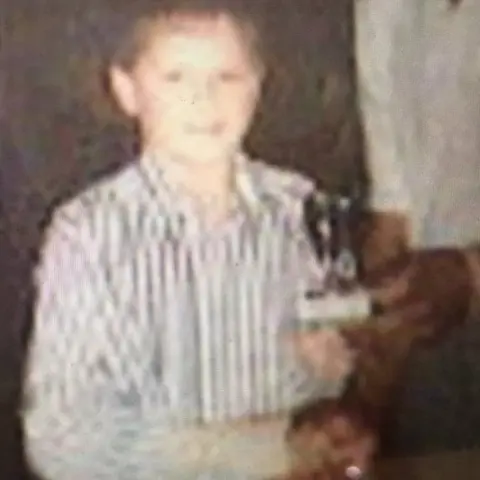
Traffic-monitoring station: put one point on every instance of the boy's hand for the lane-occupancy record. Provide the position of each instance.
(333, 441)
(326, 352)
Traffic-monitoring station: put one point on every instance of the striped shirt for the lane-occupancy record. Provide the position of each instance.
(146, 318)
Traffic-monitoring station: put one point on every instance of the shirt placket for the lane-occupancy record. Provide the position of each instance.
(181, 341)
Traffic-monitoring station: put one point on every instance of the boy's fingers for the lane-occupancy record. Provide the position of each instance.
(326, 351)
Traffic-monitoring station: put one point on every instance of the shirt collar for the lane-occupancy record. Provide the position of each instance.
(246, 189)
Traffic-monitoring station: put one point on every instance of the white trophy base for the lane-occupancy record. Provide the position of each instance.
(335, 309)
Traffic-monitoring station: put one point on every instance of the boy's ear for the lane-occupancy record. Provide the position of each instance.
(123, 91)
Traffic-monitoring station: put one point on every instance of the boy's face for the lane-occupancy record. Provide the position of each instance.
(193, 90)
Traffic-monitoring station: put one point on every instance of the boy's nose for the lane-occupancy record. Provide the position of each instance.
(204, 92)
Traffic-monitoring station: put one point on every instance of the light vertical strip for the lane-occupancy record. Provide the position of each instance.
(231, 313)
(271, 348)
(219, 284)
(249, 323)
(201, 303)
(169, 294)
(260, 330)
(242, 318)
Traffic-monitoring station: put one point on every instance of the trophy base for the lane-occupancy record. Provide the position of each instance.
(335, 309)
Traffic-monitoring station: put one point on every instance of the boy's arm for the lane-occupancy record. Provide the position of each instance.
(323, 349)
(69, 430)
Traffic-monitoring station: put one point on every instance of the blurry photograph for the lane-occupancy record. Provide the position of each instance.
(240, 239)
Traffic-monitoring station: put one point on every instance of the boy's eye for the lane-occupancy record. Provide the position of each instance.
(173, 76)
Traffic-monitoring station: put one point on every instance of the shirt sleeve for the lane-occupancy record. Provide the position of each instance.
(67, 434)
(313, 278)
(383, 102)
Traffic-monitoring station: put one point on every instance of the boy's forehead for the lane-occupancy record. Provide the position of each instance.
(211, 38)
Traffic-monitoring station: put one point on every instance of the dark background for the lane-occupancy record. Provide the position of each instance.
(59, 132)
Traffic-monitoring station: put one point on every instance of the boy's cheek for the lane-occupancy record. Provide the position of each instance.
(241, 114)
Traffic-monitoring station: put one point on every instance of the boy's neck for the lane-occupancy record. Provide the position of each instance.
(210, 185)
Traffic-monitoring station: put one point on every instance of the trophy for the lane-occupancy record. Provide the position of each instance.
(341, 300)
(336, 299)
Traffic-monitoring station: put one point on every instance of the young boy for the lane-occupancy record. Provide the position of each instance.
(165, 344)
